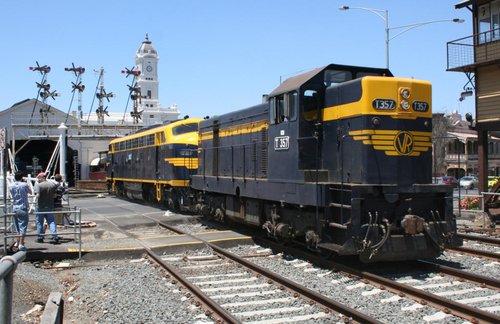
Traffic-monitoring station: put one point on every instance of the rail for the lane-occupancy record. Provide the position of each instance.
(8, 265)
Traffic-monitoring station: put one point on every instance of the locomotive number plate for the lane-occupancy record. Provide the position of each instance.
(420, 106)
(384, 104)
(281, 143)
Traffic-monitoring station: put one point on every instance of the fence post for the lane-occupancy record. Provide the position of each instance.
(8, 265)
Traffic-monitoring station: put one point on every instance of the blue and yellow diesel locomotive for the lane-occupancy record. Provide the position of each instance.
(155, 164)
(340, 157)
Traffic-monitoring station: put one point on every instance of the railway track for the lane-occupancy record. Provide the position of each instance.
(242, 291)
(433, 286)
(479, 246)
(480, 238)
(376, 300)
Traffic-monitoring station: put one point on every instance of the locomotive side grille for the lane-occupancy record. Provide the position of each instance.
(264, 156)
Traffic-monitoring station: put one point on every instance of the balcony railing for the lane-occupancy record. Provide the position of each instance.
(466, 53)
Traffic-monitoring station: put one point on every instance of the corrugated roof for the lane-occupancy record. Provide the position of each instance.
(296, 81)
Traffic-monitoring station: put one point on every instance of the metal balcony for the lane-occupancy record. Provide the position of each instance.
(466, 54)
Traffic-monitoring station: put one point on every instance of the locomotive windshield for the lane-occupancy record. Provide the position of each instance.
(332, 77)
(337, 76)
(185, 128)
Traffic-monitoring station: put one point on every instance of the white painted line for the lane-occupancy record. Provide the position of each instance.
(435, 317)
(358, 285)
(372, 292)
(236, 288)
(291, 261)
(479, 299)
(412, 308)
(408, 281)
(246, 294)
(301, 265)
(272, 311)
(259, 302)
(227, 275)
(229, 281)
(459, 292)
(492, 309)
(300, 318)
(440, 285)
(392, 299)
(492, 264)
(204, 266)
(321, 275)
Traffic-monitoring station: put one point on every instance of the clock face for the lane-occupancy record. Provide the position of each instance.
(149, 68)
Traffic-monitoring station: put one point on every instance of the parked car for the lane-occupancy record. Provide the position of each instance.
(468, 182)
(450, 180)
(492, 180)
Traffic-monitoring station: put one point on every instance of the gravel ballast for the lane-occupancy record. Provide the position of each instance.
(118, 292)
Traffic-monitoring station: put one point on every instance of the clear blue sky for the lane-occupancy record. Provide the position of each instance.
(220, 55)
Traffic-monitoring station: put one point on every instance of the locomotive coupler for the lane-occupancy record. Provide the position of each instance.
(412, 224)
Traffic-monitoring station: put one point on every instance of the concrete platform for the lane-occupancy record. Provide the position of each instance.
(113, 227)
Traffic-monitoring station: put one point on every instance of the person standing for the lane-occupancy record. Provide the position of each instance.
(19, 191)
(61, 192)
(45, 192)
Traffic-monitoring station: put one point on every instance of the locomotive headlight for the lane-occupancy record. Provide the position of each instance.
(405, 105)
(405, 93)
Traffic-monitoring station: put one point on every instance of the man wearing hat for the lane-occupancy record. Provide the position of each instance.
(45, 192)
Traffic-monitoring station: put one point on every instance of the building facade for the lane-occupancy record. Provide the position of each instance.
(478, 56)
(455, 148)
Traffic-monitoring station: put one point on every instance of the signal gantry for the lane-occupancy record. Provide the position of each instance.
(101, 111)
(135, 94)
(43, 91)
(77, 86)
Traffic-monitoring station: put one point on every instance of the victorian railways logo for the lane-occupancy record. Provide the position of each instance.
(394, 142)
(403, 143)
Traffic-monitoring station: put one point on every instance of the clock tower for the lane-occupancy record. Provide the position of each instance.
(146, 61)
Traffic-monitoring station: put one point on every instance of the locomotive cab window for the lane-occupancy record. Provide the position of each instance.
(336, 76)
(283, 108)
(186, 128)
(311, 104)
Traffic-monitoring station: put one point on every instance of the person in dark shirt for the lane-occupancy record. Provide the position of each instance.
(45, 192)
(61, 190)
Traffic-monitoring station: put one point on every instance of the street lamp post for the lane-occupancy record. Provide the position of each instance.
(384, 15)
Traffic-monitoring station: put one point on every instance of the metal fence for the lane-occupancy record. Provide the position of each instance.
(72, 226)
(8, 265)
